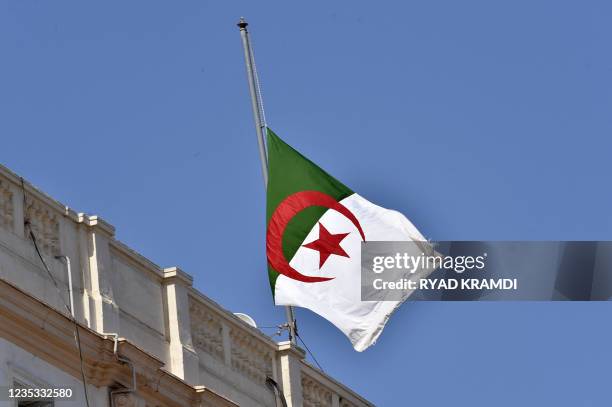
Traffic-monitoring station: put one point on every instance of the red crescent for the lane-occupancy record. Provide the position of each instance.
(285, 211)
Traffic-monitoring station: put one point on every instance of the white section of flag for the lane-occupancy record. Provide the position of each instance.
(339, 300)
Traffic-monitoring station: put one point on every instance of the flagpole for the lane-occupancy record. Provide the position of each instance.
(260, 127)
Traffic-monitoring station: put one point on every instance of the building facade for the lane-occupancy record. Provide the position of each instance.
(148, 338)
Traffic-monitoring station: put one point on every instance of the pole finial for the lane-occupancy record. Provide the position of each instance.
(242, 23)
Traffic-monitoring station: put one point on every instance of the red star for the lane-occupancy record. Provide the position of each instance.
(327, 244)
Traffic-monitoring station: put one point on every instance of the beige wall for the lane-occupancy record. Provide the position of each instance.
(18, 365)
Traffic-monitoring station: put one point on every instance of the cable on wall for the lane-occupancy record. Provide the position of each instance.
(77, 337)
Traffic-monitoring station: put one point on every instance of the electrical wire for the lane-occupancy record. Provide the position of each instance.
(311, 354)
(280, 327)
(276, 390)
(77, 336)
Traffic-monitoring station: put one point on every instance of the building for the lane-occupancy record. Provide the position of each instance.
(148, 338)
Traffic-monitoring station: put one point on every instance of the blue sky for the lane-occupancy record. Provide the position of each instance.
(477, 119)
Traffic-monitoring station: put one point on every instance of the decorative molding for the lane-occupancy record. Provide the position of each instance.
(125, 400)
(44, 222)
(314, 393)
(206, 330)
(345, 394)
(31, 190)
(231, 319)
(250, 357)
(7, 211)
(346, 403)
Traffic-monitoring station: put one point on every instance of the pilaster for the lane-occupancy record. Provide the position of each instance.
(104, 313)
(290, 357)
(184, 362)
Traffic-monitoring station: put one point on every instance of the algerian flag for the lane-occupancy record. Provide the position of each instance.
(315, 228)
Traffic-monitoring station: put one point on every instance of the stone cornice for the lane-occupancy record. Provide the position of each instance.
(48, 334)
(97, 222)
(334, 385)
(287, 347)
(132, 256)
(175, 273)
(38, 194)
(230, 318)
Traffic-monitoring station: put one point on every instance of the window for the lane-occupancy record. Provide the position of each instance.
(30, 403)
(34, 404)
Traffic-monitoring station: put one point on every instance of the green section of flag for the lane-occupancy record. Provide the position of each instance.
(291, 172)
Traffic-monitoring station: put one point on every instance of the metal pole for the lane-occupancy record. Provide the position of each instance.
(260, 127)
(259, 123)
